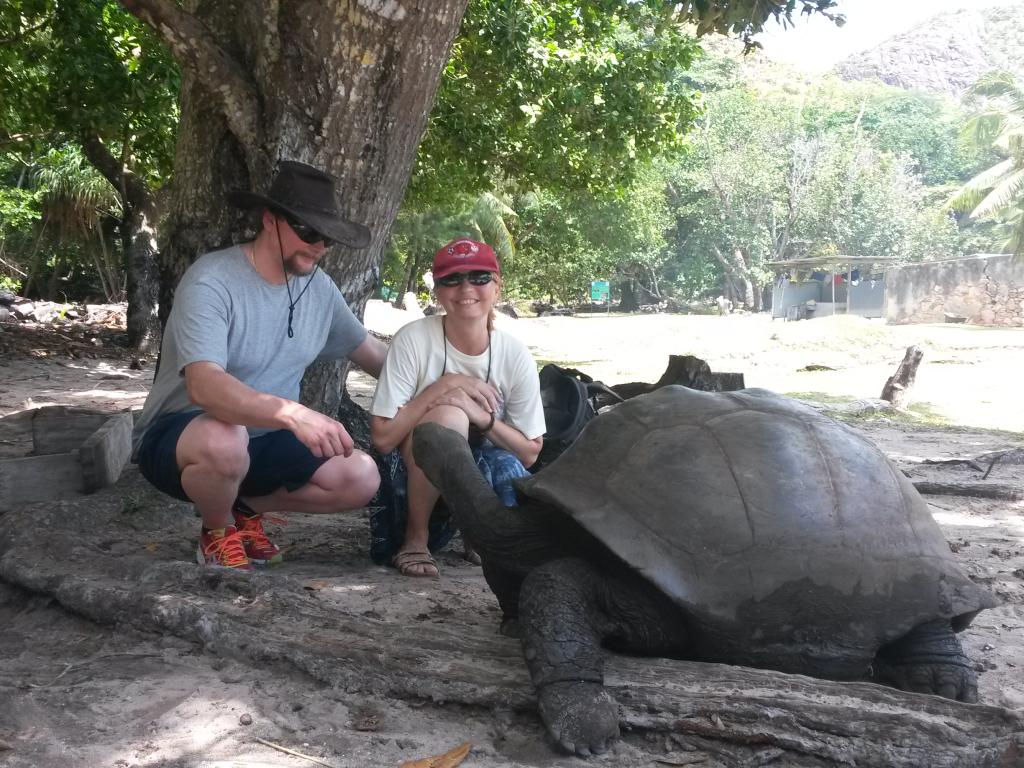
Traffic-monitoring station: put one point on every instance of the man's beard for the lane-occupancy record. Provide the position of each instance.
(297, 265)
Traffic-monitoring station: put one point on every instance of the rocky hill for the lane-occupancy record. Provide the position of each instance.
(947, 53)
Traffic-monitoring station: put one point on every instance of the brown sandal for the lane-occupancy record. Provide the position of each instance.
(416, 564)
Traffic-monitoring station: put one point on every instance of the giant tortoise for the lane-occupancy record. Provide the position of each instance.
(741, 527)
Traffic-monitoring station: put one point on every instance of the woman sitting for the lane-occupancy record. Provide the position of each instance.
(457, 370)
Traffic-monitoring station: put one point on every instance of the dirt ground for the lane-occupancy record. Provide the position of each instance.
(177, 669)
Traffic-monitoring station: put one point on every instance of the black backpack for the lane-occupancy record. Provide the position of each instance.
(569, 398)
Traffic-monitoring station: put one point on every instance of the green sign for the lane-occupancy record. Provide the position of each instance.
(600, 290)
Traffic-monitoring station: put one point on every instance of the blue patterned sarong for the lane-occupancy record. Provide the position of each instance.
(387, 521)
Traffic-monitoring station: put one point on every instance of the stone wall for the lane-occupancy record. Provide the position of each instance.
(986, 290)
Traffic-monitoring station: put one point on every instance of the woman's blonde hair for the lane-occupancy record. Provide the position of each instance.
(491, 316)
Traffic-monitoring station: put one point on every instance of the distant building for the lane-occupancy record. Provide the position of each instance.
(835, 285)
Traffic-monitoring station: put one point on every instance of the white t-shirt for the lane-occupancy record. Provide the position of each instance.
(417, 359)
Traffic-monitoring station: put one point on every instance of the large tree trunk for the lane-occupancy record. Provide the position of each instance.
(737, 274)
(341, 84)
(629, 301)
(143, 323)
(743, 276)
(138, 238)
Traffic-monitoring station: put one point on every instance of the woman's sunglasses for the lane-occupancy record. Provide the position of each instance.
(307, 234)
(477, 277)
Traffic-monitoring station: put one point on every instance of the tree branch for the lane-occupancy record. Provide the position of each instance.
(133, 190)
(730, 266)
(27, 31)
(195, 49)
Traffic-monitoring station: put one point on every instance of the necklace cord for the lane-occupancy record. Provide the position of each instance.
(287, 283)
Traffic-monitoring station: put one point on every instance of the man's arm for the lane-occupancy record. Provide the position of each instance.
(370, 355)
(227, 399)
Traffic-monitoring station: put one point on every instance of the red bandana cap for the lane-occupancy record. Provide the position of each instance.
(464, 255)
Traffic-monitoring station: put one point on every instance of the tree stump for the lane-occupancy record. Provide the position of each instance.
(688, 371)
(897, 388)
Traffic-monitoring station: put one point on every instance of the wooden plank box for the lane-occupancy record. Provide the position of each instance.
(74, 451)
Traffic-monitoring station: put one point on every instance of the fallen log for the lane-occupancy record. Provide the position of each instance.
(977, 490)
(738, 713)
(956, 462)
(1004, 456)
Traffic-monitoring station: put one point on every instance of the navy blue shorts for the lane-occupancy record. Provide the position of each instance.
(276, 459)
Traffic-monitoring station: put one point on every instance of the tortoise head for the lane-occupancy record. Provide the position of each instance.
(446, 459)
(435, 447)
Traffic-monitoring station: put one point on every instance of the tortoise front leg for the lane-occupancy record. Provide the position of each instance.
(567, 609)
(928, 659)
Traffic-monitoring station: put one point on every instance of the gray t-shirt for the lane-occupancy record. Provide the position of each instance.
(225, 313)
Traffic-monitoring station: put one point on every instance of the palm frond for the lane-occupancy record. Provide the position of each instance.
(999, 84)
(491, 202)
(491, 215)
(1011, 229)
(975, 190)
(75, 196)
(1002, 196)
(984, 128)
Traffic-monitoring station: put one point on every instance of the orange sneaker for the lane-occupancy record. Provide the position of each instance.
(223, 547)
(260, 550)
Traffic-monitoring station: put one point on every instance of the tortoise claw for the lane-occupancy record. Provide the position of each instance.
(581, 717)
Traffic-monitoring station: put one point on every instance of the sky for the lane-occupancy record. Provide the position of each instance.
(816, 44)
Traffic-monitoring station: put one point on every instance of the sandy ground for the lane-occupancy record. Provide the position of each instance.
(74, 692)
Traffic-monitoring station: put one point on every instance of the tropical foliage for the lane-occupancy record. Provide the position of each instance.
(88, 98)
(556, 95)
(583, 142)
(997, 192)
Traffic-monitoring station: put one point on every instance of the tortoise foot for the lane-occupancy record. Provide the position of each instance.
(581, 717)
(929, 659)
(959, 684)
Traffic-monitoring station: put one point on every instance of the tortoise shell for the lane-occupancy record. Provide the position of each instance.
(789, 540)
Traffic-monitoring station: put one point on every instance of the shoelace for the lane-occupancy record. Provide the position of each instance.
(228, 549)
(251, 528)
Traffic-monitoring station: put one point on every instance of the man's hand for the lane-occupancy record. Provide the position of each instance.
(484, 394)
(324, 436)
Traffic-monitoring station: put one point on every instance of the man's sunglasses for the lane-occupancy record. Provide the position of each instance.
(307, 234)
(477, 277)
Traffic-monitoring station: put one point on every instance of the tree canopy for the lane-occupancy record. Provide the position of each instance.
(584, 141)
(89, 81)
(556, 95)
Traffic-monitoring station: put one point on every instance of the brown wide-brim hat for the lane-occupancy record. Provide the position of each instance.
(308, 195)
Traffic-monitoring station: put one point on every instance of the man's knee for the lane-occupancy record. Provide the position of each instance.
(216, 446)
(353, 480)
